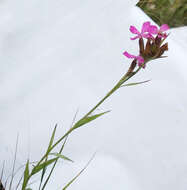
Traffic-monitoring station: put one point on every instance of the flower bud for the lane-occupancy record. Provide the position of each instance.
(141, 46)
(162, 50)
(158, 41)
(132, 66)
(148, 46)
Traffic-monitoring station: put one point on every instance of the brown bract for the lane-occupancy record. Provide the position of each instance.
(153, 48)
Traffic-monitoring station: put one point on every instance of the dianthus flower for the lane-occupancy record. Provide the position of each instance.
(160, 32)
(144, 31)
(152, 49)
(139, 59)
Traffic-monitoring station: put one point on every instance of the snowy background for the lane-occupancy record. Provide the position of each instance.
(62, 55)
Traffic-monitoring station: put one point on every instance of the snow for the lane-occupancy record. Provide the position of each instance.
(60, 56)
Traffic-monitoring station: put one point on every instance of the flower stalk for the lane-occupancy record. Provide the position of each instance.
(125, 78)
(153, 49)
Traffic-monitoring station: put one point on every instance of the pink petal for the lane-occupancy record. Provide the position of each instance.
(153, 29)
(140, 59)
(164, 27)
(136, 37)
(145, 27)
(128, 55)
(147, 36)
(134, 30)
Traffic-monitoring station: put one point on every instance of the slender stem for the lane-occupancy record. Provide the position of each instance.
(101, 101)
(48, 177)
(46, 181)
(126, 77)
(66, 134)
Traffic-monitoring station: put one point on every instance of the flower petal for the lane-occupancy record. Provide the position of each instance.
(140, 59)
(129, 55)
(164, 27)
(147, 36)
(153, 29)
(145, 27)
(134, 30)
(135, 37)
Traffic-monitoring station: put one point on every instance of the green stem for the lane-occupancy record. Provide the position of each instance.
(102, 100)
(126, 77)
(54, 165)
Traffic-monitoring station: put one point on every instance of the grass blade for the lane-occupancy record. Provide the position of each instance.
(38, 168)
(87, 119)
(26, 176)
(63, 145)
(19, 182)
(78, 174)
(48, 177)
(135, 83)
(48, 150)
(52, 138)
(61, 156)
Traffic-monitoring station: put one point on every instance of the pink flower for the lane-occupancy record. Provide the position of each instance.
(140, 59)
(144, 31)
(160, 32)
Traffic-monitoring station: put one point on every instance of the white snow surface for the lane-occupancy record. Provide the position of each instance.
(59, 56)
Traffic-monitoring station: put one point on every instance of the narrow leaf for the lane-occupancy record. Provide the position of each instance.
(26, 176)
(52, 138)
(61, 156)
(136, 83)
(38, 168)
(78, 174)
(61, 149)
(88, 119)
(48, 150)
(162, 57)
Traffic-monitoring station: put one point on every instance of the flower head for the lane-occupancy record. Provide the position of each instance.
(152, 49)
(144, 31)
(149, 30)
(139, 59)
(160, 32)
